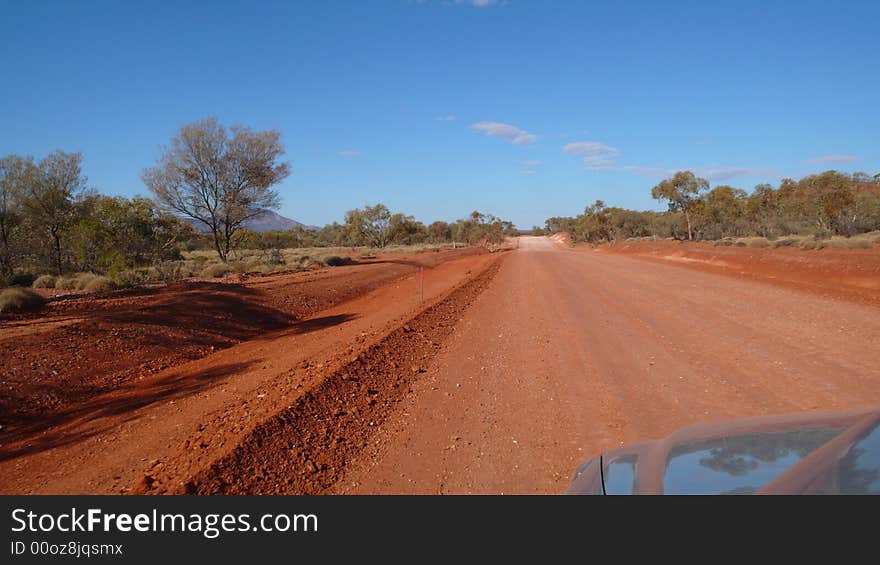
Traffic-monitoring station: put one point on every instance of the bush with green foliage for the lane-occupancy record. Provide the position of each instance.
(823, 205)
(65, 283)
(216, 270)
(82, 280)
(99, 284)
(337, 261)
(21, 279)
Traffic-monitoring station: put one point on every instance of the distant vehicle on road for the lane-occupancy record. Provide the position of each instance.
(816, 453)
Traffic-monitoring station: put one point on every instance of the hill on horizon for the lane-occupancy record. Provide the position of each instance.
(266, 221)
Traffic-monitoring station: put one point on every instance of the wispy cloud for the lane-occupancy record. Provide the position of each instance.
(449, 118)
(708, 172)
(527, 172)
(601, 157)
(505, 131)
(647, 171)
(474, 3)
(529, 162)
(349, 153)
(715, 172)
(833, 159)
(597, 156)
(480, 3)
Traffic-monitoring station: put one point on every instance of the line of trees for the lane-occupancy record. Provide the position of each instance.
(376, 226)
(825, 204)
(50, 222)
(205, 186)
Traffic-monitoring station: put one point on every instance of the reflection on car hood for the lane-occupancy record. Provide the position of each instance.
(815, 453)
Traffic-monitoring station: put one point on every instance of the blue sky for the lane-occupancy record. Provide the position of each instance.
(523, 108)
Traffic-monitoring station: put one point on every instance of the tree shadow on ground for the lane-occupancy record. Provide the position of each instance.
(322, 322)
(75, 423)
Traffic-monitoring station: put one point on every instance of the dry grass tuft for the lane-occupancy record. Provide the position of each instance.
(44, 281)
(17, 299)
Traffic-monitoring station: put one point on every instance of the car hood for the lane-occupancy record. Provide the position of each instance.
(806, 453)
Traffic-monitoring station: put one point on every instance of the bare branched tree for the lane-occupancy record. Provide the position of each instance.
(217, 179)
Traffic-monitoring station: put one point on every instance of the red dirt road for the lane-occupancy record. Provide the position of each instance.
(516, 367)
(570, 351)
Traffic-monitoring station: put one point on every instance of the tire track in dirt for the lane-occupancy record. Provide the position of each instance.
(305, 448)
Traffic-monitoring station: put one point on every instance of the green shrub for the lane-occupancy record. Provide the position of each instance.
(814, 244)
(99, 284)
(757, 242)
(822, 233)
(130, 278)
(65, 283)
(169, 272)
(785, 242)
(17, 279)
(275, 257)
(20, 299)
(239, 267)
(216, 270)
(44, 281)
(22, 279)
(337, 261)
(83, 280)
(850, 244)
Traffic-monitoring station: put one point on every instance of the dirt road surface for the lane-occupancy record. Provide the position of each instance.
(569, 352)
(516, 367)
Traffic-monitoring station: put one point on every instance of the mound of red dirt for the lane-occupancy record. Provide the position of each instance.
(562, 237)
(84, 345)
(306, 448)
(851, 274)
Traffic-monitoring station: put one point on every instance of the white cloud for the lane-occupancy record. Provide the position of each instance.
(505, 131)
(833, 159)
(601, 157)
(449, 118)
(474, 3)
(649, 171)
(597, 156)
(708, 172)
(578, 147)
(529, 162)
(479, 3)
(349, 153)
(714, 172)
(527, 172)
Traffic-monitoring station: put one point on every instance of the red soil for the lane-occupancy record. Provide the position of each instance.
(84, 345)
(515, 368)
(850, 274)
(116, 430)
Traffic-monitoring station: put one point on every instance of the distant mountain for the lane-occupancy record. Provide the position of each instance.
(266, 221)
(270, 221)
